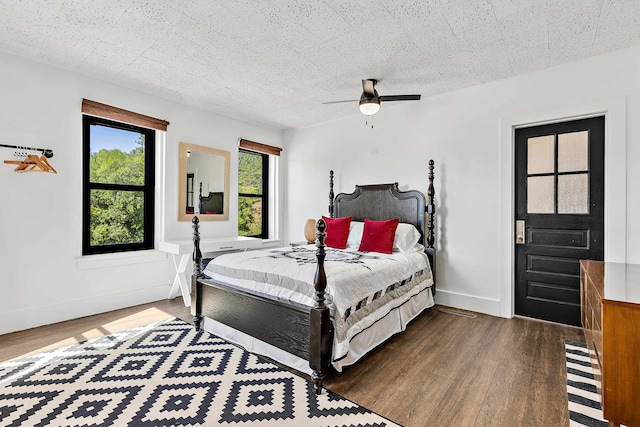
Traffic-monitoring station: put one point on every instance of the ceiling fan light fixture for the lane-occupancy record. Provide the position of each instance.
(369, 105)
(370, 100)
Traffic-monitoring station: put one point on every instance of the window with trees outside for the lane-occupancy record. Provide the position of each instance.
(118, 186)
(253, 176)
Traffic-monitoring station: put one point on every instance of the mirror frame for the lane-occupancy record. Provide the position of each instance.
(182, 182)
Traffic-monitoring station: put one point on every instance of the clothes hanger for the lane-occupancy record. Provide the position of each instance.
(50, 168)
(19, 158)
(25, 162)
(31, 162)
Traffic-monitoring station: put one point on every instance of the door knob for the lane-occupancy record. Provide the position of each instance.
(520, 232)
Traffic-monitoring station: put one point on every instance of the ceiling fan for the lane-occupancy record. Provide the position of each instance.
(370, 100)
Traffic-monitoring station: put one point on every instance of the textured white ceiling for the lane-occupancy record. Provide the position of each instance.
(274, 62)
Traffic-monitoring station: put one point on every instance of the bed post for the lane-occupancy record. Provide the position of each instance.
(319, 321)
(431, 207)
(331, 194)
(197, 272)
(431, 212)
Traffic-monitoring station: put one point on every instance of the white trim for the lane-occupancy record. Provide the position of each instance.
(468, 302)
(160, 207)
(615, 169)
(116, 259)
(31, 317)
(275, 202)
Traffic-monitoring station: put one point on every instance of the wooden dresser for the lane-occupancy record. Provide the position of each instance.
(610, 309)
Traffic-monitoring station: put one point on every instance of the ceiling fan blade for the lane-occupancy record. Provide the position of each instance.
(369, 86)
(338, 102)
(399, 98)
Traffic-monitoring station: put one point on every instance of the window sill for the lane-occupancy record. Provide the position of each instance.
(89, 262)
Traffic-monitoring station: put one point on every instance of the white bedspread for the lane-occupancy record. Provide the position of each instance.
(361, 287)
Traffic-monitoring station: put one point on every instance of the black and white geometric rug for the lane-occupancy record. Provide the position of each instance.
(584, 400)
(165, 374)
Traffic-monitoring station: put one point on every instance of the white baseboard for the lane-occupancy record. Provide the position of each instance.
(18, 320)
(468, 302)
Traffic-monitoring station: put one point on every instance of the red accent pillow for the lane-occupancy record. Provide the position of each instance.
(337, 232)
(377, 236)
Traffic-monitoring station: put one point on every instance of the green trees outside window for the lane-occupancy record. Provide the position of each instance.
(252, 194)
(117, 216)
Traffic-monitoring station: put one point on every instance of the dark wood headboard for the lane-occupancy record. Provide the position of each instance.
(382, 201)
(212, 203)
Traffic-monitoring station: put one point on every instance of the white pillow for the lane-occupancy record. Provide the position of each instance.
(405, 240)
(355, 234)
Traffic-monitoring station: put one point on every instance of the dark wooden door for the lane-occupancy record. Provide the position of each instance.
(559, 196)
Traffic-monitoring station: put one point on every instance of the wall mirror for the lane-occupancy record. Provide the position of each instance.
(203, 183)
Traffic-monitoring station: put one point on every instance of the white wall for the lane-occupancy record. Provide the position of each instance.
(43, 277)
(464, 132)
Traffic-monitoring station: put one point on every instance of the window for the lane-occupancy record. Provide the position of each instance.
(190, 178)
(118, 186)
(253, 185)
(558, 173)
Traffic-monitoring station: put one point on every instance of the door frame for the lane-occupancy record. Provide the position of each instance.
(615, 173)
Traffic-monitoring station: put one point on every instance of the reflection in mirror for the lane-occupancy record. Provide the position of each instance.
(203, 183)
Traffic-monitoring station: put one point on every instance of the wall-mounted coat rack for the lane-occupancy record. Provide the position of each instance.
(30, 162)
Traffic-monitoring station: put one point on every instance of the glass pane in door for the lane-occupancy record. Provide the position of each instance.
(573, 151)
(540, 194)
(540, 155)
(573, 194)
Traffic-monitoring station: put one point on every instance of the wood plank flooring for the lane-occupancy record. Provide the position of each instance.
(448, 370)
(444, 370)
(49, 337)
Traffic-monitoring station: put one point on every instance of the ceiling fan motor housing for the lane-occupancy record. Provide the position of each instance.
(369, 100)
(369, 104)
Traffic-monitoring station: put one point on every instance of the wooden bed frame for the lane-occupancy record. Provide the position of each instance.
(295, 328)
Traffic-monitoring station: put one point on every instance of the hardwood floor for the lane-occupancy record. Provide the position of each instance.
(449, 370)
(444, 370)
(49, 337)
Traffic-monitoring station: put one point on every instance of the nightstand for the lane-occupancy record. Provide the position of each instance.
(294, 244)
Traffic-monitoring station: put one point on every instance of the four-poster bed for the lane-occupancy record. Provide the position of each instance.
(313, 325)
